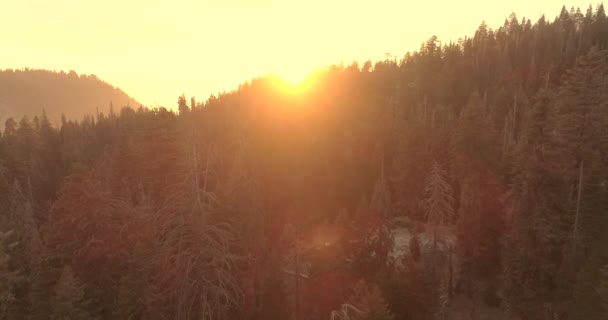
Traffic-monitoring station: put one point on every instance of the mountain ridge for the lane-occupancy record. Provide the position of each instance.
(27, 92)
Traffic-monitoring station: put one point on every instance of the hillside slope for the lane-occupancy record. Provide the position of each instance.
(28, 92)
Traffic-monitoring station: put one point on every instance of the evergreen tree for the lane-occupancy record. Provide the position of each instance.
(438, 203)
(10, 278)
(68, 300)
(182, 105)
(192, 103)
(580, 132)
(372, 240)
(532, 216)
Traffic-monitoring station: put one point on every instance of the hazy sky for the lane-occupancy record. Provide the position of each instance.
(155, 50)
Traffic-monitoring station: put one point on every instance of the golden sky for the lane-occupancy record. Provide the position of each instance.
(155, 50)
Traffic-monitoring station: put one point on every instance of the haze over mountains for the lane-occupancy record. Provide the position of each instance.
(28, 92)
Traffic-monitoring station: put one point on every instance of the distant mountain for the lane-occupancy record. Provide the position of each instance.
(27, 92)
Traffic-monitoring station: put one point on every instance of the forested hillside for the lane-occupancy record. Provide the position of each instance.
(463, 181)
(27, 92)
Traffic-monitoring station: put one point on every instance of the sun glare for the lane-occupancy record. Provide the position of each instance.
(293, 78)
(294, 82)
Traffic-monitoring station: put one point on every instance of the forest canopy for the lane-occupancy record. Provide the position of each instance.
(466, 180)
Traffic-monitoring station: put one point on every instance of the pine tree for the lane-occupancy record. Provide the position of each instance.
(10, 279)
(381, 198)
(410, 163)
(192, 103)
(373, 240)
(182, 105)
(580, 129)
(196, 266)
(580, 122)
(68, 300)
(438, 203)
(474, 137)
(132, 290)
(533, 210)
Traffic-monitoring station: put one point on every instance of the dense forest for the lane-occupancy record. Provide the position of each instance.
(467, 180)
(29, 92)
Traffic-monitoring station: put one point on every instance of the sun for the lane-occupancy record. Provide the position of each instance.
(293, 82)
(292, 77)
